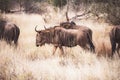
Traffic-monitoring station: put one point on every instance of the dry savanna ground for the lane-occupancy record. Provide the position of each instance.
(29, 62)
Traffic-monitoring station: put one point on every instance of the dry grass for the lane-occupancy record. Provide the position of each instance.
(28, 62)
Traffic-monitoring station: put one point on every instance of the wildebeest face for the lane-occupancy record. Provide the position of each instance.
(40, 39)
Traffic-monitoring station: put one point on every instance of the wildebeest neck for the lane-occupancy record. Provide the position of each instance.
(49, 34)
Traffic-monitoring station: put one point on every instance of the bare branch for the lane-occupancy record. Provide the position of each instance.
(81, 15)
(67, 18)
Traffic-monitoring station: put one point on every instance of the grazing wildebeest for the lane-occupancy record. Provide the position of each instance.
(115, 39)
(9, 32)
(67, 25)
(60, 36)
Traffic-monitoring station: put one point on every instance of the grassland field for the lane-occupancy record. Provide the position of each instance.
(29, 62)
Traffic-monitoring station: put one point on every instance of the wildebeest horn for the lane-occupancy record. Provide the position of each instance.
(45, 27)
(36, 29)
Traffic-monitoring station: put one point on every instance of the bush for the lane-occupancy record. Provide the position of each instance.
(110, 9)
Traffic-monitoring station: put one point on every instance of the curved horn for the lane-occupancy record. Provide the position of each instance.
(45, 27)
(36, 29)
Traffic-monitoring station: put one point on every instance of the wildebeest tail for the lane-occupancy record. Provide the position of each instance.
(113, 33)
(92, 47)
(16, 34)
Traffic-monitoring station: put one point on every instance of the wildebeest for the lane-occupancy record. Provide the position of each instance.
(60, 36)
(115, 39)
(9, 32)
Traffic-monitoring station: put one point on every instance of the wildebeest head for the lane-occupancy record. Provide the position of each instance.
(43, 36)
(39, 38)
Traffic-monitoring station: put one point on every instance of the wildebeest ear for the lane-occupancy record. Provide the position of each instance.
(73, 23)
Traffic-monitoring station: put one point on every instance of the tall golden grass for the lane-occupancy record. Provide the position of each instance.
(29, 62)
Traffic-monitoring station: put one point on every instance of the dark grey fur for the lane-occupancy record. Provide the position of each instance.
(9, 32)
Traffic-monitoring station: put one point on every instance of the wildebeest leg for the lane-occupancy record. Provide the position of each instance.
(61, 50)
(16, 44)
(54, 49)
(9, 42)
(118, 47)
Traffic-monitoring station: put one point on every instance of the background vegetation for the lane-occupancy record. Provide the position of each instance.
(107, 9)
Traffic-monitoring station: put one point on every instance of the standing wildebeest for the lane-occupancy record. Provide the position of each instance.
(9, 32)
(115, 39)
(60, 36)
